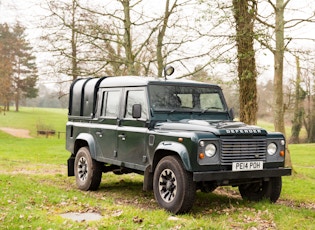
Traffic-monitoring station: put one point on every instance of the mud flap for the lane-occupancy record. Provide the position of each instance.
(70, 163)
(148, 179)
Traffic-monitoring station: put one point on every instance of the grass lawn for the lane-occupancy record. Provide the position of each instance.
(35, 190)
(33, 118)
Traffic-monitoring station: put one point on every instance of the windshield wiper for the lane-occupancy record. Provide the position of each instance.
(173, 110)
(211, 108)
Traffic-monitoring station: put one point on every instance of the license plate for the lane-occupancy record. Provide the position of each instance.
(247, 166)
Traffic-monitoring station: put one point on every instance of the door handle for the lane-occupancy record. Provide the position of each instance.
(99, 133)
(122, 136)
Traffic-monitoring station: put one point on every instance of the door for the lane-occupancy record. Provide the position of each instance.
(105, 131)
(132, 132)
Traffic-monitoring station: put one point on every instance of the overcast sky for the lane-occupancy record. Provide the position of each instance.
(28, 13)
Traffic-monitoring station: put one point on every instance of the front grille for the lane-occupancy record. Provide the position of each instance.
(241, 150)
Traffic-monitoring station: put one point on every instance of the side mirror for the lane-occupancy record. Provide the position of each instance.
(168, 71)
(231, 114)
(136, 111)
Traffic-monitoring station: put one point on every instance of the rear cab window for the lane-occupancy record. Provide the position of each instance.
(110, 103)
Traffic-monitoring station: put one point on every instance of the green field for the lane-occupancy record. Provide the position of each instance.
(35, 190)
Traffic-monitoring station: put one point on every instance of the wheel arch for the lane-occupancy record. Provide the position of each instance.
(85, 140)
(171, 148)
(165, 149)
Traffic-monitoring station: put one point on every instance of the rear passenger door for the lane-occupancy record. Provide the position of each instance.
(132, 132)
(105, 131)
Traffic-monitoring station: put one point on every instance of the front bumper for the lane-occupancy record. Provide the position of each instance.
(230, 175)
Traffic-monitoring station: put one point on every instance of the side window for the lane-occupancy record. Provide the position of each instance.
(136, 97)
(110, 107)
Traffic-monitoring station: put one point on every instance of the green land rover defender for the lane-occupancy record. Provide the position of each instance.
(179, 134)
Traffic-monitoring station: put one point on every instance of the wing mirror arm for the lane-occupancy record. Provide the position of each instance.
(231, 113)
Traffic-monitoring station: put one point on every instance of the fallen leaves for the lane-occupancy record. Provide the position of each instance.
(117, 213)
(250, 217)
(137, 220)
(298, 205)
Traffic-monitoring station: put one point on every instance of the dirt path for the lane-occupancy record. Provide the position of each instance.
(22, 133)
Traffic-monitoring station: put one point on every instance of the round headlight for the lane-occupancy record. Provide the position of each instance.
(210, 150)
(272, 148)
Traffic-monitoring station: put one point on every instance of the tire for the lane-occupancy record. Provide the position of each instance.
(263, 190)
(87, 171)
(173, 186)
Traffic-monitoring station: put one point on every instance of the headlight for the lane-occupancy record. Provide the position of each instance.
(210, 150)
(272, 148)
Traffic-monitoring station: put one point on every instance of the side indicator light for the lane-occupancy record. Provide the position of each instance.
(180, 139)
(201, 155)
(282, 153)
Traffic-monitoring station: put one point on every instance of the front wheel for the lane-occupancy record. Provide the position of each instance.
(173, 186)
(87, 171)
(262, 190)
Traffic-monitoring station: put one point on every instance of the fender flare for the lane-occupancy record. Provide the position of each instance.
(178, 148)
(90, 141)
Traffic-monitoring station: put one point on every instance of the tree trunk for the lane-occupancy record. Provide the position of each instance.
(298, 110)
(130, 59)
(279, 107)
(161, 35)
(7, 105)
(307, 119)
(17, 100)
(75, 71)
(244, 15)
(312, 123)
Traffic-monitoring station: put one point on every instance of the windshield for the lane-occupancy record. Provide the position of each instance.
(185, 98)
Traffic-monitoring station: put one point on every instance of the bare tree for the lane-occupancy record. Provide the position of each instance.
(161, 35)
(309, 118)
(279, 107)
(123, 38)
(299, 97)
(61, 37)
(278, 49)
(311, 137)
(276, 41)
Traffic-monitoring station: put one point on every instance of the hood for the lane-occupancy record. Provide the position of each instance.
(216, 127)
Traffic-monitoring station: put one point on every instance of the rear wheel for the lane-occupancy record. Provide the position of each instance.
(88, 172)
(262, 190)
(173, 186)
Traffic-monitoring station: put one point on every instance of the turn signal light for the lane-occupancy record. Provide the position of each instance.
(282, 153)
(180, 139)
(201, 155)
